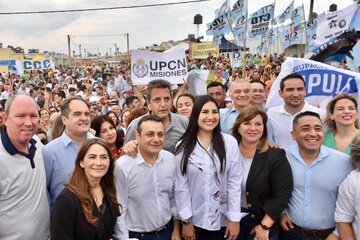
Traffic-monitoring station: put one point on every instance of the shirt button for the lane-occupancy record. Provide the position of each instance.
(252, 216)
(249, 205)
(247, 193)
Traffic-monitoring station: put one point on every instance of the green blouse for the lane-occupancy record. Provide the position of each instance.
(329, 141)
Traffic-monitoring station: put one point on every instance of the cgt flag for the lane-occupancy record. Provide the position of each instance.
(287, 14)
(147, 66)
(322, 82)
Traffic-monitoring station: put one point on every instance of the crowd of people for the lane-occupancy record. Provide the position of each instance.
(85, 154)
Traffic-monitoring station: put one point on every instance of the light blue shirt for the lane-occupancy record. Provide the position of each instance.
(59, 158)
(227, 119)
(312, 203)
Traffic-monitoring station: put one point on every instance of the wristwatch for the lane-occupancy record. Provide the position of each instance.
(187, 221)
(264, 227)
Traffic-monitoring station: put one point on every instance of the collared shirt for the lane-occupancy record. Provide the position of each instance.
(280, 123)
(175, 130)
(227, 119)
(312, 203)
(145, 192)
(348, 202)
(59, 157)
(24, 211)
(209, 197)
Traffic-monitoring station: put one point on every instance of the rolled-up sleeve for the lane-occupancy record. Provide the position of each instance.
(345, 204)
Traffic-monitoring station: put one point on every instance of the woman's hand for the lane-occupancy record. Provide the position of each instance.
(232, 230)
(188, 231)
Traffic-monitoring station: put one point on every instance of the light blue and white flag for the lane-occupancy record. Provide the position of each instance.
(298, 15)
(334, 24)
(220, 25)
(286, 14)
(322, 81)
(225, 8)
(310, 28)
(238, 10)
(260, 20)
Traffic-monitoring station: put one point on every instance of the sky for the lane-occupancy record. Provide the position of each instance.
(146, 26)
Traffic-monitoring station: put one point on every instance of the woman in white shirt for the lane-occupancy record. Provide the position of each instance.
(207, 185)
(348, 202)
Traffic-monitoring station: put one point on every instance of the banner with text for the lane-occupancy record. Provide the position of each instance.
(147, 66)
(202, 50)
(322, 81)
(46, 63)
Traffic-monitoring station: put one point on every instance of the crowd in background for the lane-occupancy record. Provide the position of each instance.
(223, 144)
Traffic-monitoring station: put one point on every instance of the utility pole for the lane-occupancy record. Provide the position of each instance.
(311, 9)
(127, 46)
(69, 50)
(79, 50)
(115, 49)
(84, 52)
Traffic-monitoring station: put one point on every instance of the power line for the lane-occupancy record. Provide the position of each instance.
(102, 8)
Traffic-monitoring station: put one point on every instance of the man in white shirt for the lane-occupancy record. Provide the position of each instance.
(145, 186)
(292, 91)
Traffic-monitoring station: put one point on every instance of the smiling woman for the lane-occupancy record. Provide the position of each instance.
(342, 120)
(87, 208)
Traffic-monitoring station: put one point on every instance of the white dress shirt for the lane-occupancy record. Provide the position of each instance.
(205, 195)
(145, 193)
(280, 123)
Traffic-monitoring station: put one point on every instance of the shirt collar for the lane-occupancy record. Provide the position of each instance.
(140, 160)
(294, 150)
(304, 108)
(12, 150)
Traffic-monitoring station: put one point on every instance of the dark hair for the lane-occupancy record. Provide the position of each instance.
(129, 100)
(331, 107)
(303, 114)
(64, 109)
(258, 81)
(355, 152)
(292, 75)
(135, 113)
(112, 112)
(158, 83)
(215, 84)
(247, 114)
(79, 184)
(185, 95)
(96, 125)
(189, 138)
(146, 118)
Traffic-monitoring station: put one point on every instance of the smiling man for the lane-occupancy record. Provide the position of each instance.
(60, 154)
(317, 173)
(144, 186)
(240, 93)
(24, 212)
(293, 92)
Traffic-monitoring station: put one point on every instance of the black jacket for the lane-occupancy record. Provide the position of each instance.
(268, 186)
(68, 221)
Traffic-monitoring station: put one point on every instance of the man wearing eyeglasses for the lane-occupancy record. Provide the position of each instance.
(24, 206)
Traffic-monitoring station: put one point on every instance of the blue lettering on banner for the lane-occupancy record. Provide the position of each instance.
(323, 82)
(37, 65)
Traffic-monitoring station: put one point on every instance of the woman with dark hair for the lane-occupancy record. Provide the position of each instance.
(348, 202)
(184, 104)
(267, 180)
(207, 185)
(342, 121)
(87, 208)
(105, 128)
(115, 118)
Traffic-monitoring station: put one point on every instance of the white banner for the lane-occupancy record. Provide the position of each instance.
(333, 24)
(46, 63)
(147, 66)
(323, 82)
(298, 15)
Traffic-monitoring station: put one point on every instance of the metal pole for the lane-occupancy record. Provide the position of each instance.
(127, 46)
(69, 50)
